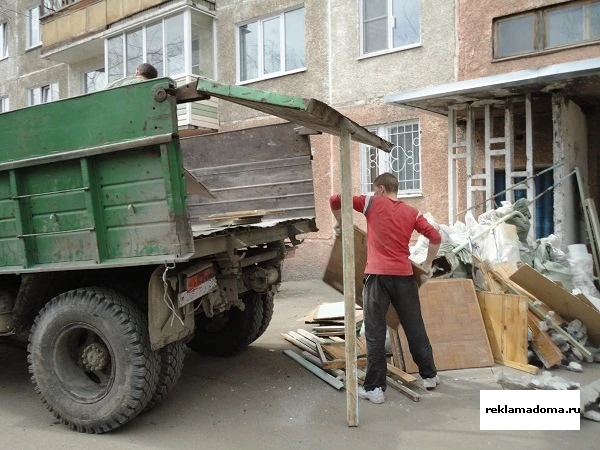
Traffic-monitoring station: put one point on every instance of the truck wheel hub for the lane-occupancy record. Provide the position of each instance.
(94, 357)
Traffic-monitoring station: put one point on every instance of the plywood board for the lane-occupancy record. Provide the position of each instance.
(505, 319)
(558, 299)
(454, 325)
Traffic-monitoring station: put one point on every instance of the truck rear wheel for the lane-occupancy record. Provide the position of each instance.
(268, 305)
(229, 332)
(171, 365)
(91, 361)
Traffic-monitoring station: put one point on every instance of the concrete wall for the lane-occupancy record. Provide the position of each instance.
(570, 146)
(24, 69)
(475, 43)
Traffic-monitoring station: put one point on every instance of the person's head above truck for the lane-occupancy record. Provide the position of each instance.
(146, 71)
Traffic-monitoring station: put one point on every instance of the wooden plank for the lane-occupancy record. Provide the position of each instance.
(303, 340)
(321, 354)
(315, 370)
(523, 367)
(558, 299)
(397, 359)
(505, 319)
(335, 351)
(454, 325)
(309, 335)
(341, 363)
(403, 389)
(401, 373)
(543, 346)
(298, 344)
(361, 343)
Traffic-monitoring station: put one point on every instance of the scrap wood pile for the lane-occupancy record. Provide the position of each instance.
(532, 319)
(322, 350)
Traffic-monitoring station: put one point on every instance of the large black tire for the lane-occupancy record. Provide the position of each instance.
(171, 365)
(230, 332)
(268, 305)
(91, 361)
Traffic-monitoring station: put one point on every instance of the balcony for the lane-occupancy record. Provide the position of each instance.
(203, 115)
(73, 30)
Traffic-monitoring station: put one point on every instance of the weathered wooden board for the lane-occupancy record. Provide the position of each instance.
(558, 299)
(454, 325)
(505, 319)
(256, 168)
(542, 344)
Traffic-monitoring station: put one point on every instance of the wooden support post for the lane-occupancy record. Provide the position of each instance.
(349, 274)
(529, 164)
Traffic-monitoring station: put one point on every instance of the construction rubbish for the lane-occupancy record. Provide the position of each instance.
(539, 305)
(590, 401)
(545, 381)
(322, 352)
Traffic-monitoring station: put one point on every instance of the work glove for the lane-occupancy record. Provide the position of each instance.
(337, 230)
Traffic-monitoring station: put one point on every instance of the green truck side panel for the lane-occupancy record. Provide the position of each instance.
(106, 117)
(117, 205)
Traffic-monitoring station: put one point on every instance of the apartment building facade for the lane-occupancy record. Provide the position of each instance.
(524, 106)
(348, 53)
(390, 65)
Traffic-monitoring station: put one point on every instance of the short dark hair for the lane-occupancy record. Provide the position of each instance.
(148, 71)
(388, 181)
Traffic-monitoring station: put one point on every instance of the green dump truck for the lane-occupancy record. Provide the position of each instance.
(120, 242)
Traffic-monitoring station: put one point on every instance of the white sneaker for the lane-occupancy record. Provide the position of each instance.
(431, 383)
(374, 396)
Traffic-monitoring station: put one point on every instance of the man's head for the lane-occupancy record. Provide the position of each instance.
(386, 184)
(146, 71)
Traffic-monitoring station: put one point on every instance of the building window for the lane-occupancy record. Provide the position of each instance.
(43, 94)
(51, 6)
(34, 30)
(271, 46)
(4, 104)
(163, 44)
(93, 81)
(404, 160)
(389, 24)
(3, 40)
(547, 28)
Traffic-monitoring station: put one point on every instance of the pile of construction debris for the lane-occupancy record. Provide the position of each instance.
(322, 350)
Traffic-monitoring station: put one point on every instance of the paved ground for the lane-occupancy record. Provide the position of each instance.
(263, 400)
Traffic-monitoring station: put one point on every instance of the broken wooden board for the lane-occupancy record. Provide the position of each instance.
(454, 325)
(406, 377)
(558, 299)
(543, 346)
(334, 272)
(505, 319)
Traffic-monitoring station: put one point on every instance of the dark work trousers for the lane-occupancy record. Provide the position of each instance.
(403, 293)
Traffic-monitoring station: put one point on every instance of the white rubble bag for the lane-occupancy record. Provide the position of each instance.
(501, 244)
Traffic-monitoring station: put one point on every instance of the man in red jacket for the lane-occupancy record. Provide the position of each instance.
(389, 278)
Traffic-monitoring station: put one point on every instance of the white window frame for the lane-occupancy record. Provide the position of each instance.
(384, 160)
(187, 43)
(83, 80)
(4, 105)
(261, 68)
(390, 35)
(30, 41)
(50, 89)
(3, 40)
